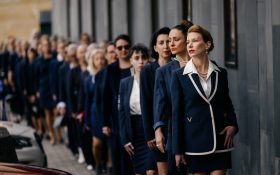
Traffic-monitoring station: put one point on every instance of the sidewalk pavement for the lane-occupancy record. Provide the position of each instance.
(60, 157)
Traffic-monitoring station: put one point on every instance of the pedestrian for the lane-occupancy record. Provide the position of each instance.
(130, 119)
(110, 102)
(29, 85)
(162, 91)
(160, 51)
(46, 101)
(97, 61)
(204, 121)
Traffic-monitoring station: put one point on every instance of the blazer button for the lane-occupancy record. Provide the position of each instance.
(189, 119)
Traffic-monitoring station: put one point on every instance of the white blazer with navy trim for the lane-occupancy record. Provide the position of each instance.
(198, 120)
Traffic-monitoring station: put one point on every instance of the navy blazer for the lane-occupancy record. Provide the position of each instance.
(99, 90)
(147, 82)
(162, 98)
(198, 120)
(62, 74)
(124, 111)
(110, 100)
(81, 92)
(54, 76)
(72, 88)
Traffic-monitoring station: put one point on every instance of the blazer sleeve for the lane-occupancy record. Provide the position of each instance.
(229, 113)
(81, 94)
(98, 91)
(177, 115)
(160, 100)
(107, 98)
(87, 102)
(146, 101)
(122, 116)
(53, 77)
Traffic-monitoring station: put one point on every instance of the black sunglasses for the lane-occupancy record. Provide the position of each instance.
(126, 47)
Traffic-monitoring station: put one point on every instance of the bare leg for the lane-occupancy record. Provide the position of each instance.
(150, 172)
(49, 122)
(218, 172)
(162, 168)
(200, 173)
(97, 152)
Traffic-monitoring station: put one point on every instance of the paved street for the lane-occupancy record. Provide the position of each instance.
(60, 157)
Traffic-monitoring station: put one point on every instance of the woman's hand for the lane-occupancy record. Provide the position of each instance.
(160, 140)
(129, 149)
(106, 130)
(152, 143)
(180, 159)
(229, 131)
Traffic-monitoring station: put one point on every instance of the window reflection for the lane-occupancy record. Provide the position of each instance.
(230, 33)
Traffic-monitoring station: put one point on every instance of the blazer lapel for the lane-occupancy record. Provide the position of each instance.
(129, 90)
(196, 82)
(214, 84)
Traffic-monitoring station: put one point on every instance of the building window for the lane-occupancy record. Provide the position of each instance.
(187, 9)
(45, 22)
(230, 33)
(155, 16)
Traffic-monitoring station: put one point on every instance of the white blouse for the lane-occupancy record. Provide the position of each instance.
(206, 84)
(134, 101)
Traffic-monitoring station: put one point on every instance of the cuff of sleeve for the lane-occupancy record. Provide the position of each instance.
(159, 124)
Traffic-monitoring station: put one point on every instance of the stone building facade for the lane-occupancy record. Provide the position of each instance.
(247, 41)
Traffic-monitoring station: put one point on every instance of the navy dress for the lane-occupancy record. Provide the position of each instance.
(132, 130)
(162, 108)
(147, 84)
(54, 77)
(198, 119)
(110, 103)
(29, 85)
(91, 118)
(99, 90)
(45, 100)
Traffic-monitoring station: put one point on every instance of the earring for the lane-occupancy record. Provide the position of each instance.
(206, 51)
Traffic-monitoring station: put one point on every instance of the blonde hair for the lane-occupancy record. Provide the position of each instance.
(91, 67)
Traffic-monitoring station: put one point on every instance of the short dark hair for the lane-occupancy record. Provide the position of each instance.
(110, 43)
(123, 37)
(161, 31)
(139, 48)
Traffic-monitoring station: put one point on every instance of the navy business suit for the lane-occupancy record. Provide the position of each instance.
(131, 129)
(198, 120)
(162, 97)
(163, 108)
(110, 103)
(147, 79)
(124, 111)
(54, 77)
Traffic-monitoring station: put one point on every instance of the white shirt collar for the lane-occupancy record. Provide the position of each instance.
(59, 58)
(190, 68)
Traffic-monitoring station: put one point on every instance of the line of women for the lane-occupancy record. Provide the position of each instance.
(163, 111)
(175, 113)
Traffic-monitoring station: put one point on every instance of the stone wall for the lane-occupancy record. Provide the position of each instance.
(21, 17)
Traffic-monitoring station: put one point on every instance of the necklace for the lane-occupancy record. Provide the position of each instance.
(202, 75)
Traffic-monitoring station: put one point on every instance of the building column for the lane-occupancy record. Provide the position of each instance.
(59, 18)
(75, 23)
(87, 17)
(102, 20)
(119, 17)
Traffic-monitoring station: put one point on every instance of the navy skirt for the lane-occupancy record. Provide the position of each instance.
(143, 158)
(208, 163)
